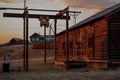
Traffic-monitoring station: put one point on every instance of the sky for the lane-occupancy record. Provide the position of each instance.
(13, 27)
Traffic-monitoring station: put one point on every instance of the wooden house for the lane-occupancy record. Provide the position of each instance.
(95, 41)
(38, 40)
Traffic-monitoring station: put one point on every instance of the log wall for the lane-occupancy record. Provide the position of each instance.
(96, 42)
(86, 44)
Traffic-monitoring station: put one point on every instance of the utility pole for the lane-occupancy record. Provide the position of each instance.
(75, 16)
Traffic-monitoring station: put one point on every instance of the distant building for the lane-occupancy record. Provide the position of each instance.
(37, 41)
(94, 41)
(13, 41)
(36, 38)
(16, 41)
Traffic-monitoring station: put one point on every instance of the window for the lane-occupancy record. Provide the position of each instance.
(37, 39)
(33, 39)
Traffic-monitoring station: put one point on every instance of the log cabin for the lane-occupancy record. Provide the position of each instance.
(38, 40)
(94, 41)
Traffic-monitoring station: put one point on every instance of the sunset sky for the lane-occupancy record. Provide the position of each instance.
(13, 27)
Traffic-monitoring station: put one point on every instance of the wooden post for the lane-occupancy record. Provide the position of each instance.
(24, 31)
(55, 42)
(67, 38)
(26, 40)
(27, 43)
(45, 44)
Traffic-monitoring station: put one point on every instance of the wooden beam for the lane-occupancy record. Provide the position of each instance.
(62, 12)
(6, 8)
(67, 38)
(17, 15)
(55, 39)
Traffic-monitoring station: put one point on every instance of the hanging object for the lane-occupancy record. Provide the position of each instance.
(44, 21)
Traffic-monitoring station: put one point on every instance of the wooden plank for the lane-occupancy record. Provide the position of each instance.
(17, 15)
(62, 12)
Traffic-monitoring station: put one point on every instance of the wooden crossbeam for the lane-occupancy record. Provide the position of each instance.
(6, 8)
(62, 12)
(17, 15)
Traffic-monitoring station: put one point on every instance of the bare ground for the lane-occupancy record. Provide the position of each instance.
(77, 74)
(40, 71)
(16, 52)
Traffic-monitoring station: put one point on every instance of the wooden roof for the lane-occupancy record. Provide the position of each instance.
(95, 17)
(35, 35)
(42, 36)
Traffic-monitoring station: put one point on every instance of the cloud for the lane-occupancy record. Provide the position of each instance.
(46, 4)
(9, 1)
(90, 3)
(5, 1)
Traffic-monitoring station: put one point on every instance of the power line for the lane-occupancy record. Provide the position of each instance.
(87, 7)
(24, 4)
(74, 15)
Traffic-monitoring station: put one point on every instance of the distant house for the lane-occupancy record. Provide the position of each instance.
(36, 38)
(13, 41)
(37, 41)
(50, 38)
(16, 41)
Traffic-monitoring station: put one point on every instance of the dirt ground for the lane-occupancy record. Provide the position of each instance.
(16, 52)
(40, 71)
(62, 75)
